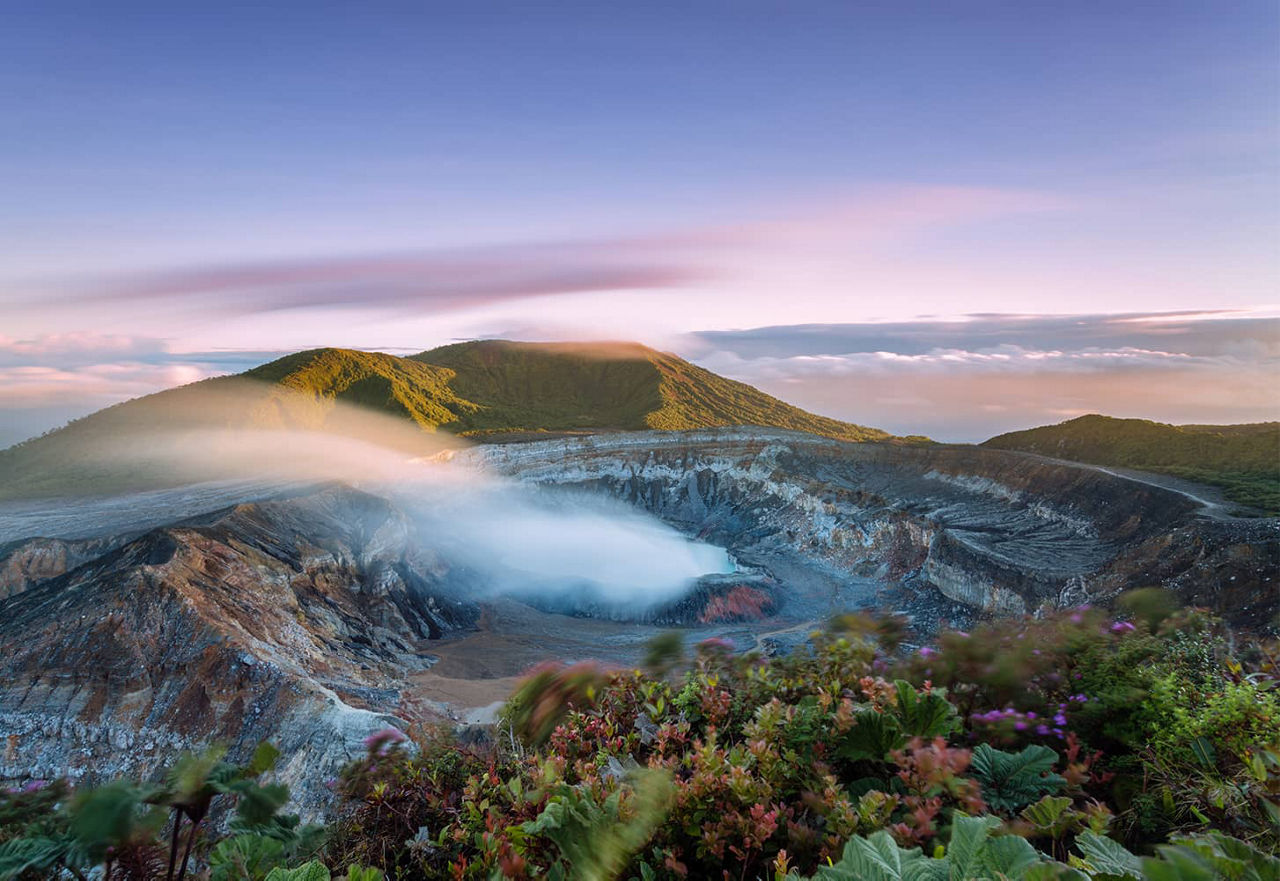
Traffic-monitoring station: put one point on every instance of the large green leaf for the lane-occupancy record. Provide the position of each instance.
(1008, 856)
(968, 840)
(873, 736)
(1047, 870)
(312, 871)
(1178, 864)
(594, 842)
(929, 715)
(876, 858)
(1107, 857)
(1231, 857)
(1011, 781)
(245, 857)
(1051, 815)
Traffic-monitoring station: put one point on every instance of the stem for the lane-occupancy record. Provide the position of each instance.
(186, 851)
(173, 844)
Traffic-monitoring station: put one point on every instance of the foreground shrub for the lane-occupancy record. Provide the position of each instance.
(1072, 747)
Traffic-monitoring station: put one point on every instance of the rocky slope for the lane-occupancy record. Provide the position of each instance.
(291, 620)
(997, 532)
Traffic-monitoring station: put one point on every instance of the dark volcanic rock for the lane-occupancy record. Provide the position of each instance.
(293, 620)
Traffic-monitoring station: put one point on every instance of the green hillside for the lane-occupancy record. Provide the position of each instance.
(484, 390)
(585, 386)
(1242, 459)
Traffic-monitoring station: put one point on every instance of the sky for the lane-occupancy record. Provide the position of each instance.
(952, 219)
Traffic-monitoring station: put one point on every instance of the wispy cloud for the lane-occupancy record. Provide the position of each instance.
(450, 280)
(1201, 334)
(417, 282)
(84, 371)
(969, 378)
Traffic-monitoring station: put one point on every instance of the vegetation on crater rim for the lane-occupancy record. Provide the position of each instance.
(1077, 747)
(1242, 459)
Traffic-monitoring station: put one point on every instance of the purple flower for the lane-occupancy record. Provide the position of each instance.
(926, 652)
(1019, 726)
(34, 786)
(1042, 730)
(1122, 627)
(1059, 719)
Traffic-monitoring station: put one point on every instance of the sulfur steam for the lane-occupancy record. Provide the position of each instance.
(248, 442)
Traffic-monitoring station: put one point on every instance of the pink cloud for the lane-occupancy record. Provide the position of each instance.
(434, 281)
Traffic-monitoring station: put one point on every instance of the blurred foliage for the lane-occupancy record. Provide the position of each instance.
(1075, 746)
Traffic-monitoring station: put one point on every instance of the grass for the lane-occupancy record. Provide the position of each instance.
(1244, 460)
(490, 390)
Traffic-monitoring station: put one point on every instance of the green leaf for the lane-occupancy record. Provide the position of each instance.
(1177, 864)
(968, 836)
(1230, 857)
(1051, 815)
(873, 736)
(256, 806)
(264, 759)
(359, 873)
(1008, 856)
(244, 856)
(1011, 781)
(1107, 857)
(930, 715)
(1051, 871)
(110, 816)
(312, 871)
(1203, 751)
(876, 858)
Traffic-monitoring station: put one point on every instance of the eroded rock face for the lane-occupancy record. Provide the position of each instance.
(26, 563)
(293, 621)
(999, 533)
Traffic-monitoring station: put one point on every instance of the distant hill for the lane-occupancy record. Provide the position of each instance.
(590, 386)
(486, 390)
(1242, 459)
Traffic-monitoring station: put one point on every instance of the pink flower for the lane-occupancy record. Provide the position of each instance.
(380, 741)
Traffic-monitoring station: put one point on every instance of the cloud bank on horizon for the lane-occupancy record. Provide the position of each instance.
(1086, 194)
(963, 379)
